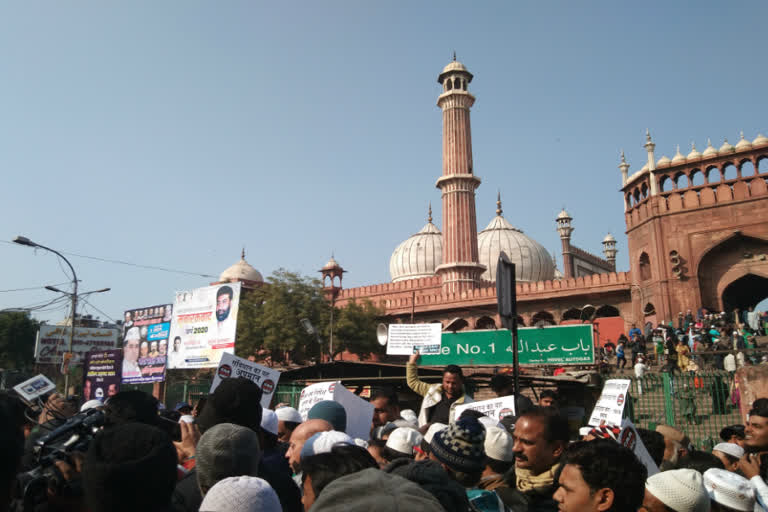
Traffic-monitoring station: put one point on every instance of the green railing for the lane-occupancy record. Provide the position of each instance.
(700, 405)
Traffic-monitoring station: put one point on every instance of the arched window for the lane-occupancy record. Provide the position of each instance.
(729, 172)
(606, 311)
(666, 184)
(485, 322)
(697, 178)
(644, 191)
(713, 175)
(747, 168)
(649, 309)
(572, 314)
(762, 165)
(542, 318)
(681, 181)
(645, 267)
(449, 84)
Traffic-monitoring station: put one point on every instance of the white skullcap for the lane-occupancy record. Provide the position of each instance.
(488, 422)
(682, 490)
(132, 334)
(187, 418)
(729, 489)
(434, 429)
(288, 414)
(409, 415)
(91, 404)
(362, 443)
(269, 421)
(403, 439)
(400, 422)
(498, 444)
(731, 449)
(583, 431)
(241, 494)
(323, 442)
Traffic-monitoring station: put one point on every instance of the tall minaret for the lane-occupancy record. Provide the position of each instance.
(460, 270)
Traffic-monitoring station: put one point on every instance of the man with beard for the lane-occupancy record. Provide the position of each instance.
(539, 440)
(223, 306)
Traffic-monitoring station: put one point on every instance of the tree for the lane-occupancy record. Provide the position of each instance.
(355, 329)
(18, 332)
(269, 322)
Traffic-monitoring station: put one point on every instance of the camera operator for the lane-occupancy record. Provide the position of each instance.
(55, 411)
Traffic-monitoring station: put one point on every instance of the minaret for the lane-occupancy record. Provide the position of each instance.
(564, 228)
(460, 270)
(649, 147)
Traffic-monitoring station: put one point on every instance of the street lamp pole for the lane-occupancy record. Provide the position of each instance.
(22, 240)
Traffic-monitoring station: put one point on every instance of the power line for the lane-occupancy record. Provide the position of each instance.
(33, 288)
(100, 311)
(130, 264)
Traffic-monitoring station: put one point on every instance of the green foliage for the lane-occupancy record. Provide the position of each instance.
(355, 329)
(17, 340)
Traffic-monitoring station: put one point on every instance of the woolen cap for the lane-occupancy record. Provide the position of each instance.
(330, 411)
(682, 490)
(288, 414)
(460, 446)
(269, 421)
(226, 450)
(498, 444)
(731, 449)
(729, 489)
(241, 494)
(403, 439)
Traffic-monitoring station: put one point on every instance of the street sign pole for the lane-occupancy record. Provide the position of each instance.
(506, 295)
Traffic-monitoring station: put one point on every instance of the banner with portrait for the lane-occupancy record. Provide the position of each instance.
(101, 374)
(145, 344)
(204, 326)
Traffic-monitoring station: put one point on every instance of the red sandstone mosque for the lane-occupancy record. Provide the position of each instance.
(697, 229)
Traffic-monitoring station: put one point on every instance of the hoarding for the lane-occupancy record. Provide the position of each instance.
(204, 326)
(557, 345)
(53, 342)
(145, 343)
(101, 374)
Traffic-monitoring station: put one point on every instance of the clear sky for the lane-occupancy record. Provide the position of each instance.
(174, 133)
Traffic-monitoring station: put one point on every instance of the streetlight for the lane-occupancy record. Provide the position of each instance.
(22, 240)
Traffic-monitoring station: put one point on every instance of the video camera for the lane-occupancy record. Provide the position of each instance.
(73, 435)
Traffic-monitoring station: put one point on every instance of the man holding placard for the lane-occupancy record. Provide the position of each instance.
(440, 400)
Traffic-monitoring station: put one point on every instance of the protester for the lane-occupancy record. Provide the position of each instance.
(729, 491)
(440, 400)
(729, 454)
(129, 468)
(385, 406)
(499, 458)
(430, 476)
(676, 445)
(288, 419)
(241, 494)
(700, 461)
(548, 398)
(600, 475)
(330, 411)
(733, 434)
(376, 449)
(226, 450)
(504, 385)
(401, 443)
(299, 437)
(679, 490)
(654, 444)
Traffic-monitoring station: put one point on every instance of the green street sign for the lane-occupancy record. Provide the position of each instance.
(557, 345)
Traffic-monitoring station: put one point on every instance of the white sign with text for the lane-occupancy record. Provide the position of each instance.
(359, 412)
(233, 366)
(610, 406)
(404, 339)
(496, 408)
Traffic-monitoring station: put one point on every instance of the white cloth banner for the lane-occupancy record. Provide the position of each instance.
(359, 412)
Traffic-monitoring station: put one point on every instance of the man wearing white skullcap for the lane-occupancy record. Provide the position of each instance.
(729, 491)
(131, 353)
(499, 458)
(729, 454)
(241, 494)
(288, 419)
(680, 490)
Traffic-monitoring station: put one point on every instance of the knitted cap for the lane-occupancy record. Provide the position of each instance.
(498, 444)
(403, 440)
(682, 490)
(226, 450)
(288, 414)
(731, 449)
(330, 411)
(269, 421)
(729, 489)
(460, 446)
(241, 494)
(323, 442)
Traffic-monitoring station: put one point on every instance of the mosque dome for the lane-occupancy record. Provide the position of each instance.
(709, 151)
(694, 154)
(609, 238)
(454, 66)
(331, 265)
(760, 140)
(678, 158)
(664, 161)
(743, 144)
(532, 261)
(726, 147)
(419, 255)
(241, 271)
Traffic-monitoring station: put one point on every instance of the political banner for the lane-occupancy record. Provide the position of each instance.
(403, 339)
(359, 412)
(556, 345)
(203, 326)
(145, 344)
(496, 408)
(53, 342)
(101, 374)
(609, 408)
(233, 366)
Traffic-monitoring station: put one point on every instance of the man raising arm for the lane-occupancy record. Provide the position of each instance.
(441, 399)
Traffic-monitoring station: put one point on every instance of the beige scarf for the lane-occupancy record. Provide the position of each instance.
(527, 481)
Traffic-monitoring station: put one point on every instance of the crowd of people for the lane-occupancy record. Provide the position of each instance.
(229, 454)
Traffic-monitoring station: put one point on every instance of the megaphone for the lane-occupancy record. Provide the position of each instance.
(382, 334)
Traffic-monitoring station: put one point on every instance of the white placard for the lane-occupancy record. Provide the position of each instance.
(610, 406)
(359, 412)
(630, 438)
(496, 408)
(34, 387)
(403, 339)
(233, 366)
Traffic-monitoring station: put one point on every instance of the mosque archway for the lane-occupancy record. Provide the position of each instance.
(606, 311)
(748, 290)
(485, 322)
(542, 319)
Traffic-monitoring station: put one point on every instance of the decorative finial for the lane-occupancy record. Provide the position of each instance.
(429, 216)
(623, 160)
(742, 134)
(498, 204)
(242, 254)
(725, 140)
(454, 55)
(709, 142)
(693, 145)
(647, 135)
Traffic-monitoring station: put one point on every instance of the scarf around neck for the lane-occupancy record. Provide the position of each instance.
(526, 481)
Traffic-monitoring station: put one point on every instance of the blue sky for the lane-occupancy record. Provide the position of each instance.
(174, 133)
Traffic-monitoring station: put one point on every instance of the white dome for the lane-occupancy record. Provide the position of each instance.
(241, 271)
(726, 147)
(454, 66)
(563, 215)
(709, 151)
(609, 238)
(663, 161)
(531, 259)
(678, 158)
(694, 154)
(418, 256)
(743, 144)
(760, 140)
